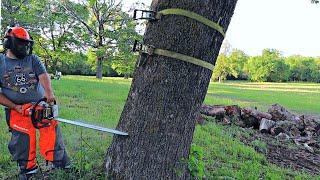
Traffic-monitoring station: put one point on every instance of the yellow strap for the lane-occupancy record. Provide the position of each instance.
(192, 15)
(183, 57)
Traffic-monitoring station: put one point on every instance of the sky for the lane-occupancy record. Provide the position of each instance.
(291, 26)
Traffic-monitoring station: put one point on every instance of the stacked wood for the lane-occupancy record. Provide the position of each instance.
(266, 125)
(277, 121)
(256, 114)
(215, 110)
(279, 113)
(225, 114)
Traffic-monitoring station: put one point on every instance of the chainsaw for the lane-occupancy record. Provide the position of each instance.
(43, 113)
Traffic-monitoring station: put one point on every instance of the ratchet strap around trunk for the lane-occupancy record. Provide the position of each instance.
(151, 50)
(192, 15)
(153, 16)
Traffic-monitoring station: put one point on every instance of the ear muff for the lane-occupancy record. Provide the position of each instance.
(31, 46)
(7, 42)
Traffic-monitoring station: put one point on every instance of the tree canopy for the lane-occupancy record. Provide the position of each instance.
(270, 66)
(69, 34)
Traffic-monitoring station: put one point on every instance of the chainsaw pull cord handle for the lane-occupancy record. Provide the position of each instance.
(36, 120)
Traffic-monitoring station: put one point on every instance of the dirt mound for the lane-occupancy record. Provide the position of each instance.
(286, 139)
(299, 159)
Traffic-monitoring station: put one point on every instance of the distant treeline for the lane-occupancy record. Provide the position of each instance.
(271, 66)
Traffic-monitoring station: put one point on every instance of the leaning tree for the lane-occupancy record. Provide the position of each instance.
(166, 93)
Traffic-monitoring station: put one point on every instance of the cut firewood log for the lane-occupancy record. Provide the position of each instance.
(317, 129)
(215, 110)
(276, 131)
(266, 125)
(282, 127)
(252, 117)
(233, 110)
(255, 113)
(251, 122)
(279, 113)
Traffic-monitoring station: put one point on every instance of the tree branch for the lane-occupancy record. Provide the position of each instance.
(74, 15)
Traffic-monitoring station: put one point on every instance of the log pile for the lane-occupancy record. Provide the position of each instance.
(279, 122)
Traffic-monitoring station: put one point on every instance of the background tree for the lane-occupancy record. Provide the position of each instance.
(269, 66)
(303, 68)
(166, 94)
(124, 61)
(239, 58)
(293, 63)
(53, 31)
(224, 67)
(104, 21)
(230, 63)
(316, 72)
(56, 39)
(12, 13)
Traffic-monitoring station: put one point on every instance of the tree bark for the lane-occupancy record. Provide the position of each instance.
(99, 68)
(166, 94)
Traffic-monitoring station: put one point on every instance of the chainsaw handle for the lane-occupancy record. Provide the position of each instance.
(37, 120)
(45, 100)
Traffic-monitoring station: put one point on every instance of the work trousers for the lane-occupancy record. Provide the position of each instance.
(22, 145)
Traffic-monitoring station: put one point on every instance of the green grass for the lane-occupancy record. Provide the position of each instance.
(225, 157)
(297, 97)
(101, 102)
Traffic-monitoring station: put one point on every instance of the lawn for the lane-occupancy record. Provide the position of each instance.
(298, 97)
(216, 153)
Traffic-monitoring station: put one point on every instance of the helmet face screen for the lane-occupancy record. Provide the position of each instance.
(21, 48)
(20, 42)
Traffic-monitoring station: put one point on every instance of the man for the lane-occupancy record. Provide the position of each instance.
(23, 80)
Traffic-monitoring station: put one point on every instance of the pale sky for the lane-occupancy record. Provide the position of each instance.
(291, 26)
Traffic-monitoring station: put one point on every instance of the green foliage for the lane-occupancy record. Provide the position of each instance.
(239, 58)
(229, 65)
(304, 68)
(223, 68)
(124, 61)
(196, 164)
(65, 29)
(75, 63)
(109, 30)
(267, 67)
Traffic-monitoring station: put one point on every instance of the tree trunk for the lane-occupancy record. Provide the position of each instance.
(166, 94)
(99, 58)
(99, 68)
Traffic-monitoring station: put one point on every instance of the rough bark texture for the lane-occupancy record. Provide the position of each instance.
(99, 68)
(166, 94)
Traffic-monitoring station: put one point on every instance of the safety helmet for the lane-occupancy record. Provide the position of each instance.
(18, 40)
(18, 32)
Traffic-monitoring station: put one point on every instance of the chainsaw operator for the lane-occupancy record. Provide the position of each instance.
(23, 81)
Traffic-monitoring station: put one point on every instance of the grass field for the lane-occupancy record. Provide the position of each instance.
(217, 154)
